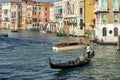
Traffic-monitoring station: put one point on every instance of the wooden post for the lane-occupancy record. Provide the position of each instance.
(118, 43)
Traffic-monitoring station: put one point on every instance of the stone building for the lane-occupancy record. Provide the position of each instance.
(107, 20)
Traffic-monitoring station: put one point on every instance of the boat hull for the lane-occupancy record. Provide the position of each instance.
(58, 66)
(72, 63)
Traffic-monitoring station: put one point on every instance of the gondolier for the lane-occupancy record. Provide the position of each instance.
(88, 50)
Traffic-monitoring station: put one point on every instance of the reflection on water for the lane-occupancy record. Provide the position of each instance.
(24, 55)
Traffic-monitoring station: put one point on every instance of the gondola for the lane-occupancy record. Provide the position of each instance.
(67, 65)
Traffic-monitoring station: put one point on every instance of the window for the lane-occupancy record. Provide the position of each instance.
(19, 14)
(34, 19)
(35, 8)
(115, 31)
(104, 4)
(81, 11)
(81, 24)
(45, 8)
(45, 14)
(73, 9)
(46, 20)
(75, 20)
(13, 20)
(39, 8)
(115, 18)
(33, 25)
(6, 19)
(60, 10)
(104, 31)
(115, 4)
(104, 18)
(5, 11)
(39, 20)
(13, 14)
(34, 12)
(81, 20)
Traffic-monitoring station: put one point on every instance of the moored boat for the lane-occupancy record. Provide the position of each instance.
(104, 43)
(3, 35)
(68, 65)
(67, 46)
(14, 30)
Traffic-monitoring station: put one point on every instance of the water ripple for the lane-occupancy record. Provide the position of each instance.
(24, 56)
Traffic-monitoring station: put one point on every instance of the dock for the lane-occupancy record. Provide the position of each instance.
(118, 43)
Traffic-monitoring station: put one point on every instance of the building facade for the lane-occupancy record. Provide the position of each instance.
(35, 14)
(58, 8)
(25, 14)
(44, 14)
(107, 13)
(74, 17)
(11, 15)
(51, 27)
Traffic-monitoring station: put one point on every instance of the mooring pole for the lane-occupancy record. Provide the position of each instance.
(118, 43)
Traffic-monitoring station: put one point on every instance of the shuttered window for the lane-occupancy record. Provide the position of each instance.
(115, 17)
(60, 10)
(104, 32)
(104, 4)
(104, 18)
(115, 4)
(116, 31)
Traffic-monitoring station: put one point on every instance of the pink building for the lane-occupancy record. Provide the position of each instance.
(26, 14)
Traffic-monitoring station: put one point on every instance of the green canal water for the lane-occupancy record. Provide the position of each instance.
(24, 56)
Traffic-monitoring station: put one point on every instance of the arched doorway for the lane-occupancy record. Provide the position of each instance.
(104, 32)
(115, 31)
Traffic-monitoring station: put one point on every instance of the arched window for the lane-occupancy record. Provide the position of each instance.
(104, 32)
(115, 31)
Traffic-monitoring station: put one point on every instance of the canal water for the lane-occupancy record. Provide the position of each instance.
(24, 56)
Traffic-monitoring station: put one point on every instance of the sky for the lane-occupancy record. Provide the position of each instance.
(1, 1)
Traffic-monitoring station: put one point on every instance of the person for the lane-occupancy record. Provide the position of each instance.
(80, 59)
(81, 42)
(88, 50)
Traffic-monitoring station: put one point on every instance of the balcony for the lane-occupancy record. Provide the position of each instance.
(58, 0)
(116, 10)
(58, 15)
(100, 10)
(5, 21)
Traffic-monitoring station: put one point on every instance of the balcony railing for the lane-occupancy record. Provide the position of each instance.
(116, 9)
(5, 21)
(58, 15)
(100, 10)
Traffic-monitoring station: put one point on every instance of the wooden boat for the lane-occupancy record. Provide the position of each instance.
(67, 46)
(14, 30)
(105, 43)
(61, 35)
(68, 65)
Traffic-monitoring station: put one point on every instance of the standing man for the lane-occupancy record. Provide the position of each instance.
(88, 50)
